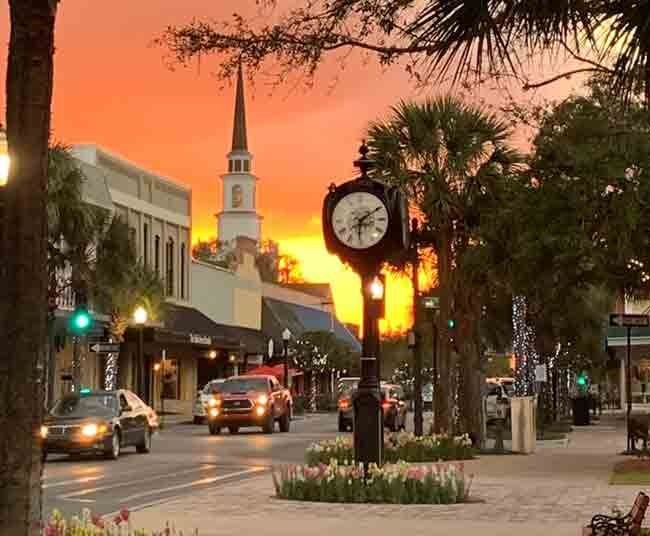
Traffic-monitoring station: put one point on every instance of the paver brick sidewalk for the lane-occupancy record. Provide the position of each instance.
(557, 489)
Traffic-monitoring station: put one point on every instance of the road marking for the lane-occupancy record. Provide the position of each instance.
(134, 482)
(200, 482)
(85, 501)
(74, 481)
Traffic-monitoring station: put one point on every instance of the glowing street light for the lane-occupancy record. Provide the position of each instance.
(140, 315)
(4, 158)
(377, 289)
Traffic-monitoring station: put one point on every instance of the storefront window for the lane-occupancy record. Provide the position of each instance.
(171, 385)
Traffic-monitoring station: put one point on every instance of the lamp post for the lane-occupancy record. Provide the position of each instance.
(368, 419)
(140, 316)
(286, 337)
(4, 176)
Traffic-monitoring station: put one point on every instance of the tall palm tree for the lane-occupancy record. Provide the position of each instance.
(446, 154)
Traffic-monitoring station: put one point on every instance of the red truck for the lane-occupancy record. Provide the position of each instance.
(250, 401)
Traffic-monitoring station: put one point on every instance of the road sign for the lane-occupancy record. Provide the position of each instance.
(431, 302)
(105, 348)
(629, 321)
(540, 373)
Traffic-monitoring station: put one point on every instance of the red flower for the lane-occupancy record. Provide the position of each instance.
(118, 519)
(97, 521)
(124, 513)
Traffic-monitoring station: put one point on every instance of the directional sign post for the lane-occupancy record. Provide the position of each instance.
(629, 321)
(105, 348)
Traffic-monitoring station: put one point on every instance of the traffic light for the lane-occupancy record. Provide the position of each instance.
(81, 320)
(582, 380)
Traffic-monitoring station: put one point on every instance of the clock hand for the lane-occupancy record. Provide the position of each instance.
(368, 214)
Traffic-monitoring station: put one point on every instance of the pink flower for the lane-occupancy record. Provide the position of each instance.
(118, 519)
(124, 514)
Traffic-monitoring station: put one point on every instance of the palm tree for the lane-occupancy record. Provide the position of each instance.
(446, 154)
(120, 283)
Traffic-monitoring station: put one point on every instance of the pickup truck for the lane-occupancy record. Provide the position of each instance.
(250, 401)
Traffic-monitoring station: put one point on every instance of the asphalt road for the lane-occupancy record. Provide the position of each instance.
(185, 458)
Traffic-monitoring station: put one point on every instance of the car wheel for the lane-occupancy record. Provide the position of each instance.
(285, 422)
(233, 429)
(214, 429)
(197, 420)
(113, 450)
(269, 425)
(145, 446)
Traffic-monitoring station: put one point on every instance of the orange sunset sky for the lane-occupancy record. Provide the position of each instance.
(114, 89)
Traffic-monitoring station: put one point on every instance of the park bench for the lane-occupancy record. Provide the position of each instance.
(627, 525)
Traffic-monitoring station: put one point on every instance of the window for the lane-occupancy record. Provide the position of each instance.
(156, 255)
(230, 166)
(170, 267)
(237, 166)
(183, 271)
(145, 244)
(247, 166)
(133, 238)
(170, 388)
(237, 196)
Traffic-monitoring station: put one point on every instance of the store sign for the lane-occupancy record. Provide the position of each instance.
(200, 339)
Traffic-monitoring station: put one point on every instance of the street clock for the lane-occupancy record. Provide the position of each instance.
(365, 221)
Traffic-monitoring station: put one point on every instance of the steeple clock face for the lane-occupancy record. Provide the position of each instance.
(360, 220)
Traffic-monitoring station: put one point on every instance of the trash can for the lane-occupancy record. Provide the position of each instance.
(580, 410)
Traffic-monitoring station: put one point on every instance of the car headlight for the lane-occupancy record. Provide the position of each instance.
(214, 402)
(262, 400)
(214, 412)
(90, 430)
(44, 431)
(260, 410)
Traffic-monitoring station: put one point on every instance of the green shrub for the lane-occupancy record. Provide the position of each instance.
(393, 484)
(399, 446)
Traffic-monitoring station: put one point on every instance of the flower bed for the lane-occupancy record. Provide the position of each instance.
(93, 525)
(400, 446)
(393, 484)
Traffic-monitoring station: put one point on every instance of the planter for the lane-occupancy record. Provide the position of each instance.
(392, 484)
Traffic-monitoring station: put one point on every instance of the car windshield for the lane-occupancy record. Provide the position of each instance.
(212, 388)
(244, 385)
(97, 405)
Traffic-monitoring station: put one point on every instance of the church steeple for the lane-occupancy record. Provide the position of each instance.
(239, 136)
(239, 216)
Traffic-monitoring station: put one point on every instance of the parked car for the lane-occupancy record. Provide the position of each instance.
(99, 422)
(497, 402)
(394, 408)
(200, 411)
(250, 401)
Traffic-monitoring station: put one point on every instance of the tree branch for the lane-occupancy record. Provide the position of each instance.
(566, 74)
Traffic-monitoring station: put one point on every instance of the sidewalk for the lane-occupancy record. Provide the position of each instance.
(556, 488)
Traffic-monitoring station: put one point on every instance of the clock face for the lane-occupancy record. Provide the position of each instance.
(360, 220)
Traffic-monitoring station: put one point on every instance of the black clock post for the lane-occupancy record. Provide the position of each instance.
(365, 221)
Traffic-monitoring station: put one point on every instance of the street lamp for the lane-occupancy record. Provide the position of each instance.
(4, 176)
(140, 318)
(286, 337)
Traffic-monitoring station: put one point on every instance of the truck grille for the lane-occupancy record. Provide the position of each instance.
(237, 405)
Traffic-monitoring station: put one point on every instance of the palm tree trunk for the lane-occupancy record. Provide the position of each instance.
(23, 273)
(443, 399)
